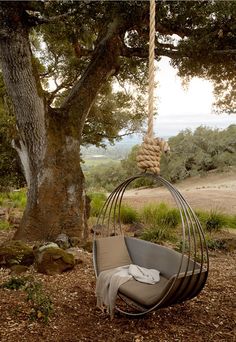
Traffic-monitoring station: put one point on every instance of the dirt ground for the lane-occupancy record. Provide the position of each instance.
(215, 191)
(209, 317)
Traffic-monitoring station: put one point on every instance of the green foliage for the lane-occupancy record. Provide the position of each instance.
(128, 214)
(105, 177)
(160, 215)
(41, 303)
(192, 153)
(231, 221)
(213, 220)
(215, 244)
(97, 202)
(156, 234)
(195, 153)
(4, 225)
(15, 283)
(14, 199)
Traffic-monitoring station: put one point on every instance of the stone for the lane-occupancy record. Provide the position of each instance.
(62, 241)
(16, 252)
(18, 269)
(53, 260)
(74, 241)
(76, 252)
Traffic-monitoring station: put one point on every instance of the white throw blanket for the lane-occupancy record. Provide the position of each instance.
(108, 283)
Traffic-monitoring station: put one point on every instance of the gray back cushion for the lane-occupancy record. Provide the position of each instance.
(111, 252)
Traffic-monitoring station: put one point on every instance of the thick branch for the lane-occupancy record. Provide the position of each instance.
(171, 53)
(103, 64)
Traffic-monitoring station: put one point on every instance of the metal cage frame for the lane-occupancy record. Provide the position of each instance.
(188, 281)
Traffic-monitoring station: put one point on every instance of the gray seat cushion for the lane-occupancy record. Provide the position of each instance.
(111, 253)
(145, 294)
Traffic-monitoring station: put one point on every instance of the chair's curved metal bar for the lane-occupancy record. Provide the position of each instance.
(179, 203)
(203, 245)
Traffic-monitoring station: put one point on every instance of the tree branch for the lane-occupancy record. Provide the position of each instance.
(103, 64)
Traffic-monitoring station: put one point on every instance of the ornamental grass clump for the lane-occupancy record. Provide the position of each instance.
(160, 215)
(128, 214)
(97, 201)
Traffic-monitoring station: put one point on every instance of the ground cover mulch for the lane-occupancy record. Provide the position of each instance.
(209, 317)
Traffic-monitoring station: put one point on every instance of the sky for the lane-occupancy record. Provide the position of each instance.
(179, 109)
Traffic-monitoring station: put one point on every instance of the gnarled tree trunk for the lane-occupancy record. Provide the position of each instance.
(49, 139)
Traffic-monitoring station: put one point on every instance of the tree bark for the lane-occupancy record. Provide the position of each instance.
(49, 139)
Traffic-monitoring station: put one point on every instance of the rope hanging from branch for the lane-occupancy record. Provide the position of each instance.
(149, 154)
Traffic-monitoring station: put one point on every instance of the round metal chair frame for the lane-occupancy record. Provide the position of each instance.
(194, 246)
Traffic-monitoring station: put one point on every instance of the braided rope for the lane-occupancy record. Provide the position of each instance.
(149, 154)
(151, 71)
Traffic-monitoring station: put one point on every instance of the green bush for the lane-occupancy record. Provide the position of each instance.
(40, 302)
(15, 199)
(213, 220)
(231, 221)
(14, 283)
(156, 234)
(128, 214)
(4, 225)
(161, 214)
(215, 244)
(97, 201)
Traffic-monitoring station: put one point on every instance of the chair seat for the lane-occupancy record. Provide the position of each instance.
(144, 294)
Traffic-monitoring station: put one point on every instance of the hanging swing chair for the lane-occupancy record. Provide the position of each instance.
(182, 274)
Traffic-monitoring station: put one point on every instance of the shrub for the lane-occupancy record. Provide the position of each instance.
(97, 201)
(14, 283)
(215, 244)
(231, 221)
(15, 199)
(212, 221)
(156, 234)
(40, 302)
(161, 215)
(18, 198)
(128, 214)
(4, 225)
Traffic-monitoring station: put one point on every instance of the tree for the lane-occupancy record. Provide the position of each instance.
(84, 45)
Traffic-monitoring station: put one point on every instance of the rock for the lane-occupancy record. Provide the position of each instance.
(74, 241)
(46, 245)
(53, 260)
(76, 252)
(88, 246)
(62, 241)
(18, 269)
(15, 252)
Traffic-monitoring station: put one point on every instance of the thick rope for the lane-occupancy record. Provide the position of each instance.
(149, 154)
(151, 71)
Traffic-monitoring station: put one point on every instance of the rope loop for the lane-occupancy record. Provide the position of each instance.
(149, 154)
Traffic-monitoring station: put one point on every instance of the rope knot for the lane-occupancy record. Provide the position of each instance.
(149, 154)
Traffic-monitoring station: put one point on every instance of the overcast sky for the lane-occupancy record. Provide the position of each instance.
(179, 109)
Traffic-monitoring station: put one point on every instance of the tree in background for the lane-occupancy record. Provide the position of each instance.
(83, 46)
(192, 154)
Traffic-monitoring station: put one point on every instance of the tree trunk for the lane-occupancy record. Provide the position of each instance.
(60, 205)
(49, 139)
